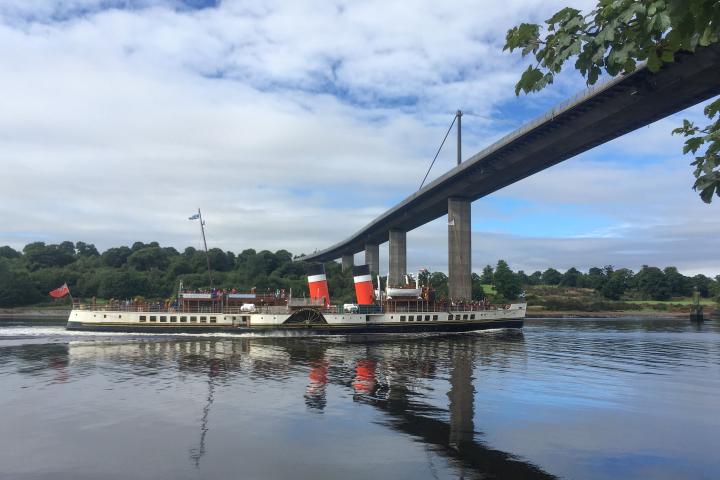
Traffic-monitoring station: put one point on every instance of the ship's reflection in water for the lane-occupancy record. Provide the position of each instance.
(489, 405)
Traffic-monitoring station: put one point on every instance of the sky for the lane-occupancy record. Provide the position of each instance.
(294, 124)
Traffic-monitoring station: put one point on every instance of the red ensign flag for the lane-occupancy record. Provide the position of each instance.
(60, 292)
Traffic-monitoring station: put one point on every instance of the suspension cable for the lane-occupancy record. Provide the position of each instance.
(438, 151)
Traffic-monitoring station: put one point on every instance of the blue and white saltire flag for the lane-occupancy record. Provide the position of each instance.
(194, 217)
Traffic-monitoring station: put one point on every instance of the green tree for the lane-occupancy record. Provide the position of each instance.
(702, 283)
(614, 38)
(535, 278)
(9, 252)
(679, 284)
(478, 292)
(148, 258)
(16, 287)
(616, 283)
(652, 283)
(86, 249)
(115, 257)
(596, 278)
(38, 255)
(572, 278)
(439, 283)
(551, 277)
(487, 275)
(507, 283)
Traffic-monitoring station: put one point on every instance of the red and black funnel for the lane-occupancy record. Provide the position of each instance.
(363, 285)
(317, 282)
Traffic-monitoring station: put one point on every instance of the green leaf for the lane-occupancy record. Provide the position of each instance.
(653, 62)
(525, 34)
(529, 80)
(692, 144)
(712, 109)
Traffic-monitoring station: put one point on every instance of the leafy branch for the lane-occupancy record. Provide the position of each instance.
(614, 38)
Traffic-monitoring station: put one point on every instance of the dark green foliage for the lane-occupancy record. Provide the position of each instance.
(551, 277)
(123, 284)
(16, 286)
(617, 283)
(148, 258)
(615, 37)
(478, 292)
(8, 252)
(487, 275)
(679, 284)
(439, 282)
(652, 283)
(507, 283)
(572, 278)
(535, 278)
(702, 284)
(86, 250)
(116, 257)
(38, 255)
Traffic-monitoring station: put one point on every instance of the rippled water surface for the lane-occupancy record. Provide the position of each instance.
(589, 399)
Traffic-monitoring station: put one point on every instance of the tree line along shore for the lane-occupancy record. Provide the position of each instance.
(152, 272)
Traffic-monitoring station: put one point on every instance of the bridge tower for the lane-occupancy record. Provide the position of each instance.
(372, 257)
(459, 249)
(398, 257)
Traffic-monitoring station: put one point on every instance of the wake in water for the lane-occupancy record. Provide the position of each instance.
(44, 331)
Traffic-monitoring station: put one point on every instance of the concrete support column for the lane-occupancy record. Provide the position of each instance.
(398, 258)
(347, 262)
(372, 256)
(459, 249)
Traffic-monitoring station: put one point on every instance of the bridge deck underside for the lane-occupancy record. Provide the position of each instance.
(600, 115)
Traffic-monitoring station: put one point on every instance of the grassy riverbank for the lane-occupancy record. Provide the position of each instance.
(553, 301)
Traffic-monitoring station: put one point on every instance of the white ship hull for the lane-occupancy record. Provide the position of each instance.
(279, 319)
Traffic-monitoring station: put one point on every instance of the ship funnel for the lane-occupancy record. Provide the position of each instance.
(317, 282)
(363, 285)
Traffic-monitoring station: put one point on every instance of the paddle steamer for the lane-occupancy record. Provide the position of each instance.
(405, 309)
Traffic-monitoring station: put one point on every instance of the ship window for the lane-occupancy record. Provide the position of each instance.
(213, 319)
(434, 317)
(173, 319)
(203, 319)
(193, 319)
(402, 318)
(143, 318)
(183, 319)
(427, 318)
(465, 317)
(119, 316)
(153, 318)
(472, 316)
(411, 318)
(104, 316)
(246, 318)
(450, 317)
(163, 318)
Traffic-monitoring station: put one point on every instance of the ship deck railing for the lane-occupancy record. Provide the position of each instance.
(160, 308)
(390, 307)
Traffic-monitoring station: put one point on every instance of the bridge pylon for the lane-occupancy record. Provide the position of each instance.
(459, 249)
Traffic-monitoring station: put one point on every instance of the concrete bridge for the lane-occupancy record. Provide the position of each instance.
(592, 118)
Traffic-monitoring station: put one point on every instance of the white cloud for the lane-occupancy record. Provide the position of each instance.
(292, 124)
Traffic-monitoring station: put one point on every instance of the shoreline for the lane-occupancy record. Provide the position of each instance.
(6, 313)
(605, 314)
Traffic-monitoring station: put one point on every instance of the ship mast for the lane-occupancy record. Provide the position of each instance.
(207, 255)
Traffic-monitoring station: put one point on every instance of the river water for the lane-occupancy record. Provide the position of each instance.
(586, 399)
